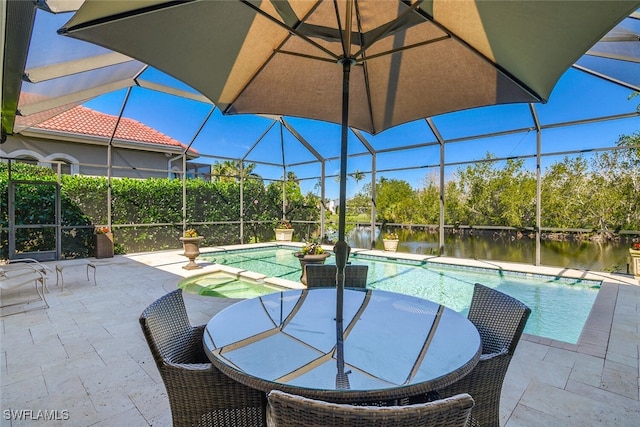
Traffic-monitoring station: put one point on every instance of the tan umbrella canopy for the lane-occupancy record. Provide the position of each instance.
(413, 59)
(368, 64)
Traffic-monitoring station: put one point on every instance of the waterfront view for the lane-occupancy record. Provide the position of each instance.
(610, 256)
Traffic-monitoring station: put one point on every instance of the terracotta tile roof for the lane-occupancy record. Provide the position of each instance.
(85, 121)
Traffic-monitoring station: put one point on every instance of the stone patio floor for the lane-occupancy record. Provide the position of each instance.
(85, 362)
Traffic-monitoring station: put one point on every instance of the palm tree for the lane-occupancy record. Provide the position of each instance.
(292, 177)
(357, 176)
(224, 171)
(230, 170)
(247, 171)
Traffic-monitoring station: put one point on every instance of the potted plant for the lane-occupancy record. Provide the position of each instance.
(191, 244)
(390, 241)
(103, 238)
(311, 253)
(284, 231)
(634, 254)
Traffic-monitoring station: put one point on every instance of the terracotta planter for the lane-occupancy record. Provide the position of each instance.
(191, 247)
(283, 234)
(310, 259)
(104, 245)
(635, 262)
(390, 245)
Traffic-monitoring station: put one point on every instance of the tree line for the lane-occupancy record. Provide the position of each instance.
(600, 192)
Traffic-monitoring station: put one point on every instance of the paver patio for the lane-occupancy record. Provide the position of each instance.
(85, 362)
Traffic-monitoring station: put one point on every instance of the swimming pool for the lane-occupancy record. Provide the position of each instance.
(559, 306)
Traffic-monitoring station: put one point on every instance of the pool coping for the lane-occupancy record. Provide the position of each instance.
(593, 339)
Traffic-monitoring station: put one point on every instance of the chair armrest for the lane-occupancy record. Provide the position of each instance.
(20, 274)
(191, 366)
(489, 356)
(32, 263)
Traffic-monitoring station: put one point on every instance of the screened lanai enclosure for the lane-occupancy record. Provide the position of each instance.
(554, 182)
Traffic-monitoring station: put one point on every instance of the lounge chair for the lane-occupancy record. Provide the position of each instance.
(20, 273)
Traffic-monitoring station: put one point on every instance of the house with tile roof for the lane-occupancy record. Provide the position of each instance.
(78, 141)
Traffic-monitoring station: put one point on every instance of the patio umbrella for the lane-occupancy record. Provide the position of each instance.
(368, 64)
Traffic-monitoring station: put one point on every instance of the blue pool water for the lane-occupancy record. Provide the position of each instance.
(559, 306)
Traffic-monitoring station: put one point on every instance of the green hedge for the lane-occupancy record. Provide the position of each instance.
(149, 201)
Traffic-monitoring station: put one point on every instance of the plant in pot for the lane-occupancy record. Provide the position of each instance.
(634, 254)
(103, 242)
(284, 231)
(390, 241)
(191, 244)
(311, 253)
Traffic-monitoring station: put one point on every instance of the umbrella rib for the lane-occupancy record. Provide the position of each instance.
(290, 29)
(499, 68)
(386, 28)
(408, 47)
(344, 41)
(305, 55)
(365, 70)
(276, 50)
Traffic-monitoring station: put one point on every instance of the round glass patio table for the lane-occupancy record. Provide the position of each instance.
(393, 345)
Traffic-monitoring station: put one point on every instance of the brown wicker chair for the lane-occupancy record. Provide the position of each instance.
(287, 410)
(199, 394)
(500, 319)
(324, 275)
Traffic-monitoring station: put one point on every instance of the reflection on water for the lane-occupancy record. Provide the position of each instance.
(585, 255)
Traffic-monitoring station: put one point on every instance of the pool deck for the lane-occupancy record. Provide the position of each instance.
(85, 356)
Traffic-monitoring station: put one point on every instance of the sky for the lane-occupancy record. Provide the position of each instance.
(576, 96)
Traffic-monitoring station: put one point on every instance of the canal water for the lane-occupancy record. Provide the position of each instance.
(507, 246)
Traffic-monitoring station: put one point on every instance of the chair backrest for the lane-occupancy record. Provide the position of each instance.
(287, 410)
(166, 326)
(199, 394)
(500, 319)
(356, 276)
(324, 275)
(321, 275)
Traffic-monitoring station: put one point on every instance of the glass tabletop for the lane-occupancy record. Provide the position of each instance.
(392, 344)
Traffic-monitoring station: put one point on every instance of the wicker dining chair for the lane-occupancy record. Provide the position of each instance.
(500, 320)
(324, 275)
(288, 410)
(199, 394)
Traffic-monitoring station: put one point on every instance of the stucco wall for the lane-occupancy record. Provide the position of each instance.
(89, 159)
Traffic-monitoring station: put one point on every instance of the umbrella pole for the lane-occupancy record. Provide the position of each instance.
(341, 249)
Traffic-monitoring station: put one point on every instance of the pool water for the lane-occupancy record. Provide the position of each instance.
(559, 306)
(225, 285)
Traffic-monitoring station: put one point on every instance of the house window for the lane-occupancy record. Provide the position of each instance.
(69, 165)
(27, 160)
(199, 171)
(65, 167)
